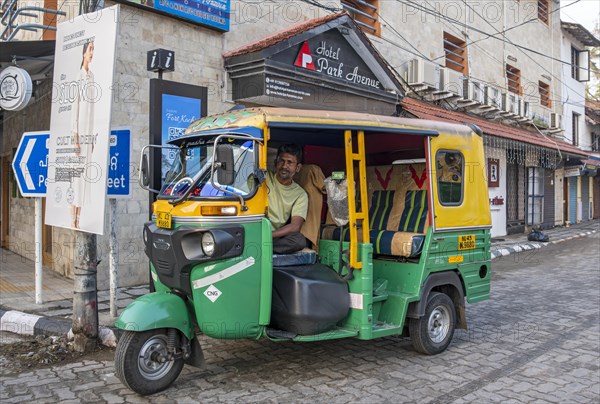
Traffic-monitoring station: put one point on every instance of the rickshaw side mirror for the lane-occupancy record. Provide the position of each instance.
(224, 164)
(144, 171)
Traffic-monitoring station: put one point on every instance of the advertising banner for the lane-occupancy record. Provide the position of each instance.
(177, 114)
(80, 121)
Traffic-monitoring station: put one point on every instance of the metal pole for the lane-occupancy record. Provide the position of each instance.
(85, 296)
(38, 251)
(114, 258)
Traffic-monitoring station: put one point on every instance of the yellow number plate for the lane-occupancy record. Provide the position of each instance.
(456, 259)
(163, 219)
(466, 242)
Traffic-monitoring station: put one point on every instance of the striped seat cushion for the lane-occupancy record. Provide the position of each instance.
(379, 211)
(414, 214)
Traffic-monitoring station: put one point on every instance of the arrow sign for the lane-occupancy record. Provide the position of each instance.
(30, 164)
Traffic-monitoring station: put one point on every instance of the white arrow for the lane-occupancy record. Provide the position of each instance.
(23, 164)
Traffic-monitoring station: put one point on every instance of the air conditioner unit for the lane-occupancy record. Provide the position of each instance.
(555, 120)
(422, 72)
(476, 91)
(510, 104)
(493, 97)
(454, 82)
(526, 110)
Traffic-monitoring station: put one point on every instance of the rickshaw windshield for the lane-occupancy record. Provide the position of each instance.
(190, 166)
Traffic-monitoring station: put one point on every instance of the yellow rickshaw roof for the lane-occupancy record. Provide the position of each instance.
(263, 116)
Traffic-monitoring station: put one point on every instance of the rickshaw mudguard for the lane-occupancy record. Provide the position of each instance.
(157, 310)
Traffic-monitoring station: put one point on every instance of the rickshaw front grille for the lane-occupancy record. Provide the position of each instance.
(163, 266)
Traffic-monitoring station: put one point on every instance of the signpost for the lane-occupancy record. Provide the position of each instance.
(118, 187)
(30, 166)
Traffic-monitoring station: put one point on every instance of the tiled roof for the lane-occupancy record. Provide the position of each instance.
(580, 33)
(282, 35)
(592, 111)
(426, 110)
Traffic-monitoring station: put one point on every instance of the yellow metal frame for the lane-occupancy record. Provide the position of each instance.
(353, 214)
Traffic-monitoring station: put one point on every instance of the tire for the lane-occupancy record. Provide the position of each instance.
(136, 368)
(432, 333)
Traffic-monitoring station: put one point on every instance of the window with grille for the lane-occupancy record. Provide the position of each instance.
(595, 142)
(574, 63)
(544, 10)
(365, 13)
(545, 100)
(513, 77)
(575, 128)
(535, 195)
(456, 53)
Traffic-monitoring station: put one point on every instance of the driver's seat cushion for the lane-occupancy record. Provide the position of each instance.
(305, 256)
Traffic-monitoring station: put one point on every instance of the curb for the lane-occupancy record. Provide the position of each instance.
(21, 323)
(504, 251)
(30, 324)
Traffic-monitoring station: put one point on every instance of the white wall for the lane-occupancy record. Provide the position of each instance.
(573, 93)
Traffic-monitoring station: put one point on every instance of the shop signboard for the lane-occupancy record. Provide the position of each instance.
(213, 14)
(573, 171)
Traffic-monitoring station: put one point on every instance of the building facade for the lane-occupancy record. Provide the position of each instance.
(478, 62)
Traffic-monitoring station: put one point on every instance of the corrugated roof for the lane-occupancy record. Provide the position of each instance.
(426, 110)
(580, 33)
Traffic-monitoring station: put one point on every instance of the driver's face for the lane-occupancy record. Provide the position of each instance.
(286, 166)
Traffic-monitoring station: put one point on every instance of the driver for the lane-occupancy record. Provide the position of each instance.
(288, 202)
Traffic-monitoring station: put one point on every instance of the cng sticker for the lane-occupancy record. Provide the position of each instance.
(212, 293)
(466, 242)
(456, 259)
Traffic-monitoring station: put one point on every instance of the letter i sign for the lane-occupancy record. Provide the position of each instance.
(304, 58)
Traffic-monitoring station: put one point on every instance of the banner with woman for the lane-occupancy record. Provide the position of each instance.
(80, 121)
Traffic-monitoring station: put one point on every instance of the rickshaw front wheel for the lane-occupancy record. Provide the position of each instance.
(141, 361)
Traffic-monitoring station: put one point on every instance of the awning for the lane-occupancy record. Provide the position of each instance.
(426, 110)
(37, 57)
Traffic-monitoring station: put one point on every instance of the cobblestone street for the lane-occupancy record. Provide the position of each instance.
(536, 340)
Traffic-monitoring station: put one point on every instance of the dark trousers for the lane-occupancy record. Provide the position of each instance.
(289, 244)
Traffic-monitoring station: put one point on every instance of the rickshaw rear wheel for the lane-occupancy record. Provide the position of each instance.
(140, 361)
(432, 333)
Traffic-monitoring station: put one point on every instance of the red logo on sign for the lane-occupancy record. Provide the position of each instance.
(304, 58)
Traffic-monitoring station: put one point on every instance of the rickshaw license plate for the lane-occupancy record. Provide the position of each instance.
(466, 242)
(163, 219)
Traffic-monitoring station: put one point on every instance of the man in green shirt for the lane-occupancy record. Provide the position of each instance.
(288, 202)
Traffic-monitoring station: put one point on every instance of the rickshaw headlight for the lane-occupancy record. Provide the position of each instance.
(208, 243)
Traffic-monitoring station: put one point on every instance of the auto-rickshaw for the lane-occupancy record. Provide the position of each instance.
(398, 221)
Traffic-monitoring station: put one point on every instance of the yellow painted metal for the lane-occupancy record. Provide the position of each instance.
(354, 215)
(474, 211)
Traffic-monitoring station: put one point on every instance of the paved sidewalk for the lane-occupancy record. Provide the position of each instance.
(17, 292)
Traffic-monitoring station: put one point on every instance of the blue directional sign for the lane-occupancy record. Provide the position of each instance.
(30, 164)
(118, 181)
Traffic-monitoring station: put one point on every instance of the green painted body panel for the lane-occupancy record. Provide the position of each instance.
(236, 289)
(266, 281)
(242, 300)
(157, 310)
(441, 247)
(384, 314)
